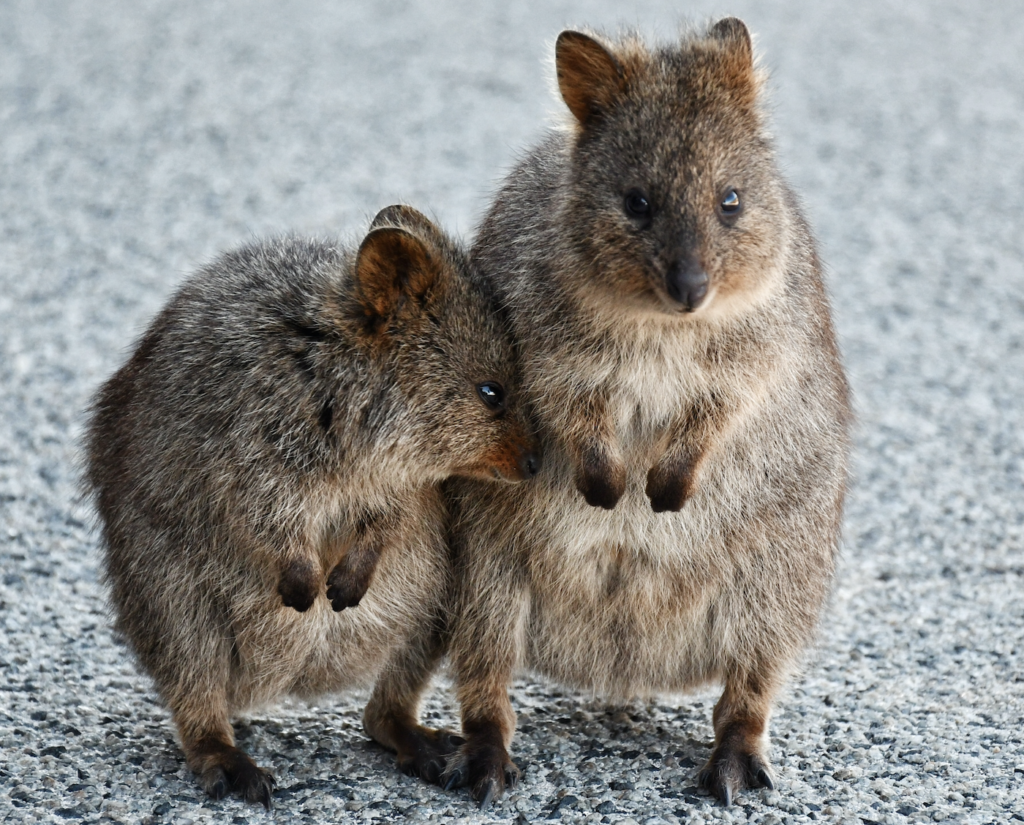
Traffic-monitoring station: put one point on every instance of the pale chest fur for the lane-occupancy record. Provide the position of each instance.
(649, 375)
(619, 601)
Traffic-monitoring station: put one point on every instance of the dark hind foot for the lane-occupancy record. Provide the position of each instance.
(741, 724)
(227, 769)
(484, 765)
(425, 753)
(731, 770)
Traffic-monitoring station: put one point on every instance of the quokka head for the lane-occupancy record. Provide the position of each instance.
(421, 308)
(674, 195)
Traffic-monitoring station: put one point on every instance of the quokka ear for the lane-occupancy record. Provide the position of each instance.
(589, 76)
(403, 216)
(734, 34)
(394, 270)
(736, 72)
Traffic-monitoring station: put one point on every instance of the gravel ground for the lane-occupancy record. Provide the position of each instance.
(137, 138)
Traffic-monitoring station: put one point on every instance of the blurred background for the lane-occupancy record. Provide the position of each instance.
(137, 139)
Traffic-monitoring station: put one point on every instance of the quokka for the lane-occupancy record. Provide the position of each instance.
(676, 346)
(280, 431)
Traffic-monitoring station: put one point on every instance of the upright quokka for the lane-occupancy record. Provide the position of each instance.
(676, 346)
(283, 423)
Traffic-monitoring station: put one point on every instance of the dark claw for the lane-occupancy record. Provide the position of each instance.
(219, 789)
(232, 771)
(454, 780)
(425, 753)
(256, 786)
(341, 599)
(729, 771)
(432, 771)
(511, 777)
(490, 788)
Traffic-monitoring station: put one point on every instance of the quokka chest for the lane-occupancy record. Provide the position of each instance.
(652, 377)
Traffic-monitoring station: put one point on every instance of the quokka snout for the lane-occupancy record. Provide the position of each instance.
(278, 435)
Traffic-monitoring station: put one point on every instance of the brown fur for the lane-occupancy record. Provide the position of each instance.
(282, 426)
(709, 427)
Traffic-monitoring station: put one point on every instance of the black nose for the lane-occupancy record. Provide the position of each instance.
(687, 283)
(529, 465)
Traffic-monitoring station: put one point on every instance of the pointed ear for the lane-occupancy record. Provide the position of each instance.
(733, 33)
(403, 216)
(394, 270)
(589, 76)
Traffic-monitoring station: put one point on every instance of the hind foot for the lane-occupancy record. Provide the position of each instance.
(427, 751)
(730, 771)
(485, 767)
(227, 769)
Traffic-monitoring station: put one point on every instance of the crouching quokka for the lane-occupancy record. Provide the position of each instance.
(270, 455)
(676, 346)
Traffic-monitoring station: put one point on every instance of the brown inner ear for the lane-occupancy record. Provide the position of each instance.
(589, 76)
(392, 267)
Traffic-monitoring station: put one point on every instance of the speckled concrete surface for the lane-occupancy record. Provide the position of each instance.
(138, 138)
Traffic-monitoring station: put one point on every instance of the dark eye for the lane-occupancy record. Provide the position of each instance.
(492, 394)
(637, 205)
(730, 205)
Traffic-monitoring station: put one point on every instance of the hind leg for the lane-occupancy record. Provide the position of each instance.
(738, 760)
(199, 703)
(392, 714)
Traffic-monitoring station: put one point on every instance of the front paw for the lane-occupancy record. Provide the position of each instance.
(347, 584)
(669, 486)
(485, 767)
(601, 480)
(298, 585)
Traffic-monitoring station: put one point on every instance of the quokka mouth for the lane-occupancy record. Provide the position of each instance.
(486, 473)
(669, 306)
(500, 476)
